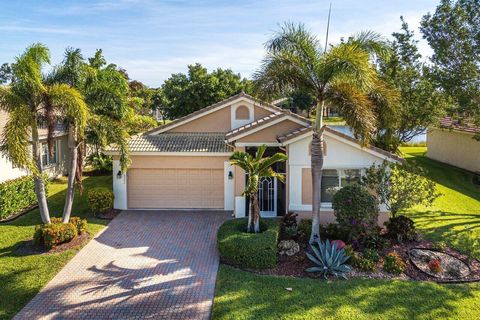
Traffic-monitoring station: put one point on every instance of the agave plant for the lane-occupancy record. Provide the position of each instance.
(329, 259)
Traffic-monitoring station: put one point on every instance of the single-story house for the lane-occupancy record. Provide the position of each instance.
(453, 142)
(53, 166)
(185, 164)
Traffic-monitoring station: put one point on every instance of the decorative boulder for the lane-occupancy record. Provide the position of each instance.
(288, 247)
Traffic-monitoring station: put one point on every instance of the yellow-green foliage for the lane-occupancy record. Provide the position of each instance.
(100, 200)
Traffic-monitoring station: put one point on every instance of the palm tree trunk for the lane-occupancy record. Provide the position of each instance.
(250, 216)
(256, 213)
(67, 209)
(317, 153)
(38, 179)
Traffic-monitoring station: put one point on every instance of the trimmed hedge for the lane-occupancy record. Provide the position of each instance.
(17, 195)
(100, 200)
(249, 250)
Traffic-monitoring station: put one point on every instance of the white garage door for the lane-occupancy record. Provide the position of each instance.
(175, 188)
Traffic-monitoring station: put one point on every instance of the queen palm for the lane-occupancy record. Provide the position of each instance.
(342, 76)
(30, 100)
(256, 167)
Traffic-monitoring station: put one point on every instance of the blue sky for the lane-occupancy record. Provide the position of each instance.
(153, 39)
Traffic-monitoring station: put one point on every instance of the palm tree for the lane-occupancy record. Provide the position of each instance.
(105, 91)
(256, 168)
(29, 100)
(342, 76)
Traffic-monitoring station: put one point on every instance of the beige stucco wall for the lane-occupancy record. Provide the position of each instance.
(172, 162)
(271, 133)
(239, 176)
(306, 186)
(327, 216)
(218, 121)
(453, 147)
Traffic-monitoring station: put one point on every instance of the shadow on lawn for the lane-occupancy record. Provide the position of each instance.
(247, 296)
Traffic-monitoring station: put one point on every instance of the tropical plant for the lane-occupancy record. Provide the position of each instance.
(100, 162)
(400, 186)
(328, 259)
(30, 100)
(342, 76)
(256, 167)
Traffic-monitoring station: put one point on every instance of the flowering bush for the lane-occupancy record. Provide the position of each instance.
(435, 265)
(356, 211)
(393, 263)
(57, 232)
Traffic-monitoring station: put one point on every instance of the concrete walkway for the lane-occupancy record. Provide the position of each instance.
(144, 265)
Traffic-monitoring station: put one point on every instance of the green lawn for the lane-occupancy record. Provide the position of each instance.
(21, 277)
(455, 215)
(242, 295)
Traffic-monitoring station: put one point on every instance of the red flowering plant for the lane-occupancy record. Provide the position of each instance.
(435, 265)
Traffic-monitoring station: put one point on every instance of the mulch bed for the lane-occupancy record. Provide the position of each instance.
(108, 215)
(294, 266)
(27, 247)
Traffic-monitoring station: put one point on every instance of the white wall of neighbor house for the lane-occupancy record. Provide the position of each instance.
(53, 169)
(454, 147)
(340, 155)
(119, 187)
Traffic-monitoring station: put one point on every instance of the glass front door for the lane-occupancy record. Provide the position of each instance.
(267, 196)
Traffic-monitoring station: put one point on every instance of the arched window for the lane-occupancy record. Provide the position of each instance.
(242, 113)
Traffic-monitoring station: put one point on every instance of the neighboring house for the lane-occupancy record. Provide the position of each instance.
(185, 164)
(54, 166)
(452, 142)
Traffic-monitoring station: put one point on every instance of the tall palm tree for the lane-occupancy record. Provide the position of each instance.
(105, 91)
(29, 100)
(256, 168)
(342, 76)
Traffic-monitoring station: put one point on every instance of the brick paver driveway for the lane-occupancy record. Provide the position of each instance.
(145, 265)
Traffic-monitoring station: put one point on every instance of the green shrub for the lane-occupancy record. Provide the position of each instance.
(17, 195)
(249, 250)
(371, 254)
(80, 223)
(55, 233)
(100, 200)
(365, 264)
(393, 263)
(334, 231)
(373, 239)
(401, 228)
(304, 228)
(356, 210)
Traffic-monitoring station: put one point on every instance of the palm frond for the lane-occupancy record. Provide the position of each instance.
(372, 42)
(356, 108)
(15, 140)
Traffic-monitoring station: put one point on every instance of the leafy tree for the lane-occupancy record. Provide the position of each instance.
(400, 186)
(256, 168)
(452, 31)
(342, 76)
(186, 93)
(420, 103)
(5, 73)
(29, 100)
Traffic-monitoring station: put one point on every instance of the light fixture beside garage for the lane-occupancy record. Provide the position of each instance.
(230, 175)
(119, 174)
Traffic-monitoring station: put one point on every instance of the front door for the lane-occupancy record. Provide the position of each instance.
(267, 196)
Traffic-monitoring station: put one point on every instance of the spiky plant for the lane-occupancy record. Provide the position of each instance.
(328, 259)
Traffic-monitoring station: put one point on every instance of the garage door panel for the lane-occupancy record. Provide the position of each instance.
(175, 188)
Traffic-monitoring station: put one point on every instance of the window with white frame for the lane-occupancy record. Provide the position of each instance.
(48, 160)
(334, 179)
